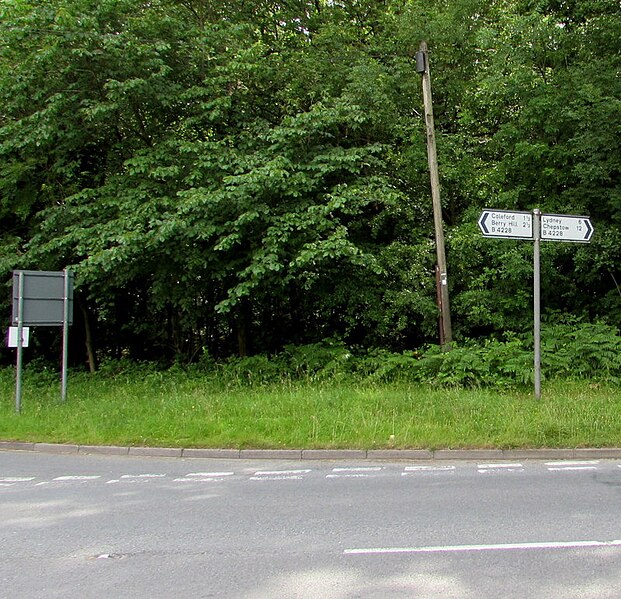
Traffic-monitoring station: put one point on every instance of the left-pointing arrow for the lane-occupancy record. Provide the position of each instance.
(482, 224)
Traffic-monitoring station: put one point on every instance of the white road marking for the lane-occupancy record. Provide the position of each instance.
(140, 476)
(361, 469)
(16, 479)
(492, 547)
(574, 463)
(210, 474)
(491, 466)
(280, 472)
(284, 477)
(66, 478)
(354, 475)
(485, 468)
(204, 477)
(410, 470)
(570, 468)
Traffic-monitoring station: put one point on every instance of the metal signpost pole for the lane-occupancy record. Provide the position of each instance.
(537, 298)
(20, 352)
(63, 385)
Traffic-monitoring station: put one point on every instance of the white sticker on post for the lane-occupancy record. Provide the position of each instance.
(12, 337)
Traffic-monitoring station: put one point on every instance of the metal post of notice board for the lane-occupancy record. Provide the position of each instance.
(41, 298)
(66, 289)
(20, 344)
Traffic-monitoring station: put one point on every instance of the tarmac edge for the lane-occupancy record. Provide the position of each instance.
(603, 453)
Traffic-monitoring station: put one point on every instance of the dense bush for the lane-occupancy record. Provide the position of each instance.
(569, 351)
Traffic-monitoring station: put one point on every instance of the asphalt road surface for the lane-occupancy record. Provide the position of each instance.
(105, 527)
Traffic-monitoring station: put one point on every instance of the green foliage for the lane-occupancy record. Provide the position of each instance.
(250, 177)
(582, 351)
(574, 351)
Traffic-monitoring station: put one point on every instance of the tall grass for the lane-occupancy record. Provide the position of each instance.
(192, 408)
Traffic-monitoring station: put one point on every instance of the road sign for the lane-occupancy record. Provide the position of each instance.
(46, 296)
(536, 227)
(566, 227)
(506, 224)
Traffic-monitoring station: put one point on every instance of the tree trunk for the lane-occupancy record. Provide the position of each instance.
(88, 335)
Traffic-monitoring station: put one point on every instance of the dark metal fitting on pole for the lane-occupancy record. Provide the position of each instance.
(421, 62)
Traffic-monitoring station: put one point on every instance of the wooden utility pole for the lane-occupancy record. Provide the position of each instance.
(446, 332)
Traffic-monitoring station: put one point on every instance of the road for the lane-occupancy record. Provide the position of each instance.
(101, 526)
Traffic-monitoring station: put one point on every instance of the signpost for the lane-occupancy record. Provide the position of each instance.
(535, 226)
(41, 298)
(506, 224)
(565, 227)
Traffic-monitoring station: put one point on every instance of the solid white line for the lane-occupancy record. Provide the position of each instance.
(574, 463)
(492, 547)
(16, 479)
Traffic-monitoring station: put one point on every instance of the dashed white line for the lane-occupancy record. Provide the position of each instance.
(491, 466)
(569, 465)
(412, 470)
(574, 463)
(485, 468)
(572, 468)
(354, 472)
(210, 474)
(204, 477)
(141, 476)
(280, 474)
(16, 479)
(359, 469)
(67, 478)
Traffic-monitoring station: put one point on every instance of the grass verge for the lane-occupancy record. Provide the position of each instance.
(182, 409)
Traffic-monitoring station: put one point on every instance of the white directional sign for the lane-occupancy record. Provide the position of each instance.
(565, 227)
(536, 227)
(507, 224)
